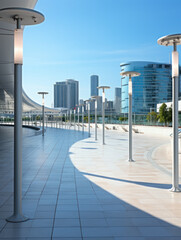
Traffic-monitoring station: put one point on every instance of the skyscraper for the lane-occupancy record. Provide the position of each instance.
(94, 82)
(117, 100)
(66, 94)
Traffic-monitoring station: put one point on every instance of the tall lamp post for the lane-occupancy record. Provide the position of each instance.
(43, 110)
(82, 105)
(88, 108)
(174, 40)
(74, 117)
(70, 117)
(95, 98)
(18, 16)
(130, 74)
(78, 109)
(103, 111)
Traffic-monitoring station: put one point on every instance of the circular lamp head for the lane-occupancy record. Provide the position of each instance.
(42, 92)
(170, 40)
(88, 100)
(27, 16)
(95, 97)
(130, 74)
(103, 87)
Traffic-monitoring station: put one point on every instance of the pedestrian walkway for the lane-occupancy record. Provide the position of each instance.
(77, 189)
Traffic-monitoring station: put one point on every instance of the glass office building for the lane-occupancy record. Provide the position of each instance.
(66, 94)
(94, 82)
(153, 86)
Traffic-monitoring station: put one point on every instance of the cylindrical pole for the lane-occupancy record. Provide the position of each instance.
(65, 120)
(103, 113)
(89, 118)
(175, 168)
(18, 141)
(130, 120)
(70, 117)
(43, 120)
(17, 215)
(78, 119)
(96, 119)
(74, 118)
(82, 118)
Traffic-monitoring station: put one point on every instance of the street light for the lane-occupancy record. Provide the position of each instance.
(82, 105)
(174, 40)
(18, 16)
(88, 108)
(95, 98)
(130, 74)
(78, 118)
(43, 110)
(70, 117)
(103, 111)
(74, 117)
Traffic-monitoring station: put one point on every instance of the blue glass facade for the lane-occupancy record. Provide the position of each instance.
(94, 80)
(153, 86)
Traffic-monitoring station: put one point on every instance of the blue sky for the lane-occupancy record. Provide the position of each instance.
(84, 37)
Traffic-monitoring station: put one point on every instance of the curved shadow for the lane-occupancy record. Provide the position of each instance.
(147, 184)
(57, 197)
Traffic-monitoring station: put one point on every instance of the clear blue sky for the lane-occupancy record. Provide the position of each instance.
(84, 37)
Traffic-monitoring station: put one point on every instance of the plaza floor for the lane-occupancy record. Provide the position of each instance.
(75, 188)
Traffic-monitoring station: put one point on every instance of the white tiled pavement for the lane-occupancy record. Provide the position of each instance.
(76, 188)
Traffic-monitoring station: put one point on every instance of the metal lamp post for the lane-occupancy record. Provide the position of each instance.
(70, 117)
(103, 111)
(78, 118)
(95, 98)
(82, 105)
(88, 108)
(130, 74)
(74, 117)
(43, 110)
(174, 40)
(18, 16)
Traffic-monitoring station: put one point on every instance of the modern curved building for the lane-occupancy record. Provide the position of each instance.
(153, 86)
(7, 62)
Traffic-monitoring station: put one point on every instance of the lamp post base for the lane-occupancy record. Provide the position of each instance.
(175, 189)
(17, 218)
(131, 160)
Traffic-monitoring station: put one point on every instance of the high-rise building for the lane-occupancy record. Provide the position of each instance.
(94, 82)
(117, 100)
(153, 86)
(66, 94)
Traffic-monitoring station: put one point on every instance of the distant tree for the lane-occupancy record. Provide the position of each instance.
(123, 119)
(169, 117)
(152, 116)
(165, 115)
(86, 119)
(37, 118)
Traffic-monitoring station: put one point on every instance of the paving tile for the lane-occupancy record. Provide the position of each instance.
(96, 232)
(98, 238)
(15, 233)
(74, 222)
(67, 232)
(94, 222)
(67, 238)
(91, 214)
(42, 223)
(40, 232)
(155, 231)
(125, 232)
(67, 214)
